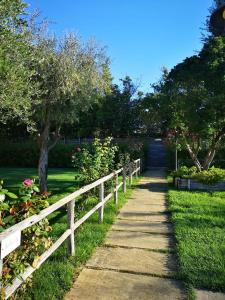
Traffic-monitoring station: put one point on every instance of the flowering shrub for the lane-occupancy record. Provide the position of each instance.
(94, 160)
(35, 239)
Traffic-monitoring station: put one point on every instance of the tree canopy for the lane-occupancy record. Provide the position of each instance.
(189, 101)
(15, 58)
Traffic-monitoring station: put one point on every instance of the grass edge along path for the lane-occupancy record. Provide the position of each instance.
(198, 220)
(56, 276)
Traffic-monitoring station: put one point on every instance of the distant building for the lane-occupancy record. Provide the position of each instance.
(217, 19)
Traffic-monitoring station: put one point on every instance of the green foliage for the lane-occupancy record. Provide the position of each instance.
(4, 193)
(211, 176)
(95, 160)
(199, 225)
(185, 172)
(120, 101)
(193, 94)
(27, 154)
(35, 239)
(208, 177)
(16, 55)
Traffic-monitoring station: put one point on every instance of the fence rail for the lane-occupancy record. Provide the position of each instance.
(134, 168)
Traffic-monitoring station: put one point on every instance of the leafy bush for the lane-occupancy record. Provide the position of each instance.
(132, 149)
(210, 177)
(27, 155)
(94, 160)
(35, 239)
(185, 172)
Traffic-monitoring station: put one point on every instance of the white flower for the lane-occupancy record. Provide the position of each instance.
(2, 197)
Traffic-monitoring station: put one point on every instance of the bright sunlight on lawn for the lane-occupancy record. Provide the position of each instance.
(199, 227)
(60, 181)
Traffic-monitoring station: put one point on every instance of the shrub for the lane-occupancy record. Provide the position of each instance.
(35, 239)
(185, 172)
(94, 160)
(210, 177)
(27, 155)
(132, 148)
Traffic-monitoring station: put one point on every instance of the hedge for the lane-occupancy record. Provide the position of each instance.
(27, 155)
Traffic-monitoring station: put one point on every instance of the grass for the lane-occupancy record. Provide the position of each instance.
(61, 182)
(56, 275)
(199, 228)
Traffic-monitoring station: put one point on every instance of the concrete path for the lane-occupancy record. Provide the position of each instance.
(207, 295)
(135, 262)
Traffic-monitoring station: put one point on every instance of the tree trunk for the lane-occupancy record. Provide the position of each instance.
(194, 158)
(43, 169)
(43, 160)
(212, 152)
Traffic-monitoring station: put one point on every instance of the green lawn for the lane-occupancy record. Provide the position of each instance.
(56, 275)
(199, 227)
(61, 182)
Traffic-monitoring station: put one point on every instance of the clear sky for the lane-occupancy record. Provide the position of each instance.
(141, 35)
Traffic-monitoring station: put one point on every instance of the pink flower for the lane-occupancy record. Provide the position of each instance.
(28, 182)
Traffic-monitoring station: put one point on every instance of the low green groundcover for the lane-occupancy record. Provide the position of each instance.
(199, 227)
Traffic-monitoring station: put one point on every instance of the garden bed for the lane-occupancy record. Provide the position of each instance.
(192, 184)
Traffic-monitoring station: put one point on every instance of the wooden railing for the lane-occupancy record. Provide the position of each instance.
(12, 234)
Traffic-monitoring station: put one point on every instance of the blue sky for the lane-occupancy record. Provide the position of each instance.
(141, 36)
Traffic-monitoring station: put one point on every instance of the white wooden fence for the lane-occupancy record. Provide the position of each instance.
(13, 234)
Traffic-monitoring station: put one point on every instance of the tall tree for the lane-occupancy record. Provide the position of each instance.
(191, 101)
(70, 77)
(16, 89)
(118, 114)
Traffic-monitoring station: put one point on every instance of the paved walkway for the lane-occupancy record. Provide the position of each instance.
(135, 262)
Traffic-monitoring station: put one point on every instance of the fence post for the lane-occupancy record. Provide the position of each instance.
(1, 266)
(139, 166)
(101, 199)
(70, 223)
(136, 168)
(116, 190)
(130, 174)
(189, 184)
(124, 180)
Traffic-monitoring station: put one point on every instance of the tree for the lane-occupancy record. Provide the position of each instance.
(118, 112)
(115, 113)
(70, 78)
(191, 104)
(15, 57)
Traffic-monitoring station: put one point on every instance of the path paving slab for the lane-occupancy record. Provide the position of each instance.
(138, 240)
(147, 207)
(144, 200)
(110, 285)
(143, 216)
(142, 226)
(205, 295)
(134, 260)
